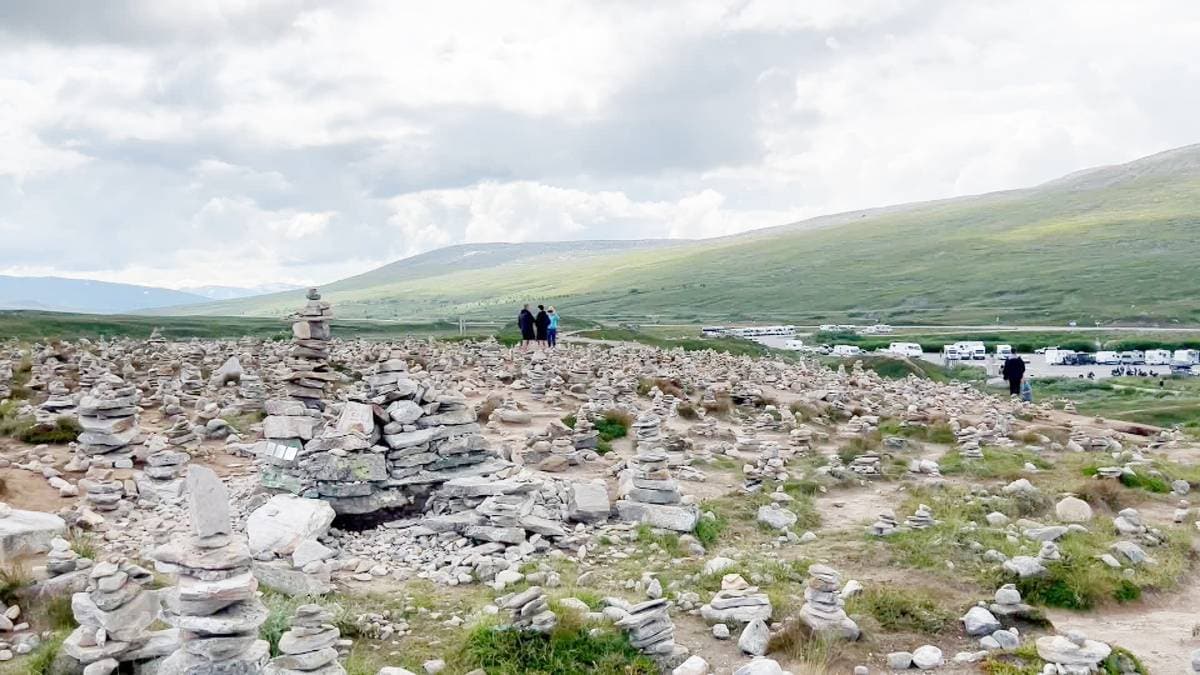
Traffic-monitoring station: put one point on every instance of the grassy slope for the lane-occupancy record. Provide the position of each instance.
(1114, 246)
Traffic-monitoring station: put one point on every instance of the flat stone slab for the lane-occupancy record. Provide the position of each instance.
(26, 533)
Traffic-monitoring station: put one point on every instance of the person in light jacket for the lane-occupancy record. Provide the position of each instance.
(552, 330)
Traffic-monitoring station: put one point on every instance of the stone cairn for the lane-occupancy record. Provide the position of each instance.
(737, 602)
(922, 519)
(310, 352)
(213, 604)
(62, 559)
(530, 610)
(647, 430)
(886, 525)
(822, 610)
(309, 647)
(114, 616)
(162, 477)
(651, 496)
(109, 419)
(650, 628)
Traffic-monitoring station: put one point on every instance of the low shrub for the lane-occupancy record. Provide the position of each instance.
(570, 648)
(64, 430)
(903, 610)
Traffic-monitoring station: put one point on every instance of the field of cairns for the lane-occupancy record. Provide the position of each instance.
(466, 506)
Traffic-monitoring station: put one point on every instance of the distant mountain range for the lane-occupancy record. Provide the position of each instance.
(61, 294)
(1110, 244)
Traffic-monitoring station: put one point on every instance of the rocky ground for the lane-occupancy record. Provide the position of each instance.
(466, 507)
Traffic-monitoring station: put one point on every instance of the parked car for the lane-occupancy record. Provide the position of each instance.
(1079, 359)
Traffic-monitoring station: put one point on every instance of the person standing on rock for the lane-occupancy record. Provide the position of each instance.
(1013, 371)
(552, 331)
(542, 323)
(525, 323)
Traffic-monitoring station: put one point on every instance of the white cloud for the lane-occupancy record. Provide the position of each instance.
(238, 142)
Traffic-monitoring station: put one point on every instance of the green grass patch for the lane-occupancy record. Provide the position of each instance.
(709, 529)
(64, 430)
(570, 648)
(902, 610)
(1003, 463)
(1134, 480)
(613, 425)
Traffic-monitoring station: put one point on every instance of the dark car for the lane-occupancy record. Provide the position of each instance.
(1080, 359)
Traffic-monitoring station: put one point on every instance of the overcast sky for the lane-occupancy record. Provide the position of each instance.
(183, 142)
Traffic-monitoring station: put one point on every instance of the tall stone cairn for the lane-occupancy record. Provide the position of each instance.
(108, 416)
(309, 360)
(309, 646)
(213, 603)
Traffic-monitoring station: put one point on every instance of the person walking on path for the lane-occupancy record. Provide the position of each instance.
(542, 324)
(525, 323)
(1013, 371)
(552, 331)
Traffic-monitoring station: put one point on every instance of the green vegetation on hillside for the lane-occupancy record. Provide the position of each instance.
(1079, 248)
(1163, 401)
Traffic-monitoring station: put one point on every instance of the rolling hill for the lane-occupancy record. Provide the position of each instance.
(1111, 244)
(85, 295)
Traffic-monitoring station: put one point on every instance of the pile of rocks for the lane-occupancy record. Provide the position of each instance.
(650, 495)
(162, 477)
(737, 602)
(284, 538)
(1008, 605)
(1071, 654)
(109, 419)
(923, 518)
(647, 430)
(886, 525)
(530, 610)
(650, 628)
(309, 646)
(114, 617)
(823, 610)
(62, 559)
(214, 603)
(310, 353)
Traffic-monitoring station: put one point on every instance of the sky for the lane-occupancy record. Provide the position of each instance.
(242, 142)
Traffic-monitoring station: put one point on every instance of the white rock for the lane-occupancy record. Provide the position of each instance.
(927, 657)
(285, 521)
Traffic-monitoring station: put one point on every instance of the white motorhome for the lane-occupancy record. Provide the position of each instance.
(1133, 357)
(904, 349)
(971, 350)
(1108, 358)
(846, 350)
(1055, 356)
(950, 353)
(1158, 357)
(1004, 351)
(1186, 356)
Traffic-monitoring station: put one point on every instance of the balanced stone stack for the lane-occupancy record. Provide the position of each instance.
(737, 602)
(181, 433)
(109, 419)
(969, 449)
(115, 615)
(647, 429)
(214, 603)
(62, 559)
(530, 610)
(822, 610)
(585, 436)
(922, 519)
(1008, 604)
(886, 525)
(309, 647)
(163, 476)
(651, 496)
(535, 378)
(58, 403)
(309, 360)
(650, 628)
(6, 377)
(104, 491)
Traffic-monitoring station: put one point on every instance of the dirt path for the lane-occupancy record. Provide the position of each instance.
(1160, 630)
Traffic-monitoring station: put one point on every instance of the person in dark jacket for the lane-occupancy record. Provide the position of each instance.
(542, 324)
(1013, 371)
(525, 323)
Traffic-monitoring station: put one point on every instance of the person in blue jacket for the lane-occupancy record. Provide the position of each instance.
(552, 330)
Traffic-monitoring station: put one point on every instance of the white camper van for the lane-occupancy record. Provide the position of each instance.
(1004, 351)
(1108, 358)
(950, 353)
(1055, 356)
(846, 350)
(1158, 357)
(1185, 356)
(904, 349)
(971, 350)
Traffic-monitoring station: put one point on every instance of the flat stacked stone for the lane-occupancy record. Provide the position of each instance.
(213, 603)
(162, 477)
(647, 430)
(62, 559)
(309, 646)
(737, 602)
(59, 402)
(115, 615)
(1008, 605)
(650, 495)
(921, 519)
(886, 524)
(309, 358)
(181, 433)
(109, 419)
(822, 610)
(650, 628)
(535, 379)
(530, 610)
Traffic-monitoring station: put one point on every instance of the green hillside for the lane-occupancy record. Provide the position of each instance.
(1115, 244)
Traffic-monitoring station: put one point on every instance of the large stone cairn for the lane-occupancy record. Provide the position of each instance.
(214, 603)
(309, 360)
(647, 430)
(162, 477)
(114, 615)
(309, 646)
(109, 419)
(651, 496)
(530, 610)
(822, 610)
(59, 402)
(737, 602)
